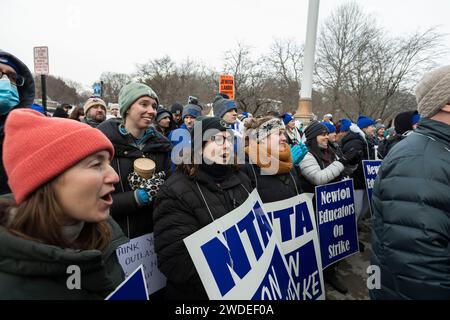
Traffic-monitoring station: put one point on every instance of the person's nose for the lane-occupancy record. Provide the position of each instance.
(111, 176)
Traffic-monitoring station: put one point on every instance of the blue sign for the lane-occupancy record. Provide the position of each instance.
(97, 87)
(295, 227)
(371, 168)
(238, 256)
(276, 284)
(133, 288)
(336, 220)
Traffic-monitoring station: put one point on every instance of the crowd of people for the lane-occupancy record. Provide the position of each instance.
(77, 185)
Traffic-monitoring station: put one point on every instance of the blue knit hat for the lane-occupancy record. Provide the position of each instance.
(364, 122)
(38, 108)
(287, 117)
(416, 118)
(331, 128)
(345, 125)
(192, 110)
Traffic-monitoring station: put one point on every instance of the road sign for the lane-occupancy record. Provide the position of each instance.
(226, 85)
(41, 60)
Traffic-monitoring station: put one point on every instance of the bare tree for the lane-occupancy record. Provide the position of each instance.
(344, 38)
(362, 70)
(59, 90)
(112, 84)
(284, 63)
(250, 79)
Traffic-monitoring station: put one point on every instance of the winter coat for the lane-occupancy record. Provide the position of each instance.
(317, 173)
(272, 188)
(411, 222)
(37, 271)
(358, 142)
(386, 146)
(26, 95)
(135, 221)
(181, 211)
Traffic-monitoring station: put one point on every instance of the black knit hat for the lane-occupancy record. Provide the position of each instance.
(314, 129)
(208, 123)
(403, 122)
(176, 108)
(162, 113)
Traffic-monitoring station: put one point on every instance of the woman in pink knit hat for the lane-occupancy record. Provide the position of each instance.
(57, 239)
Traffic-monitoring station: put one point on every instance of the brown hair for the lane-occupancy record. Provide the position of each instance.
(39, 217)
(76, 113)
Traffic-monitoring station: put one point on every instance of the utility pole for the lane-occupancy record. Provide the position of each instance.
(44, 92)
(304, 112)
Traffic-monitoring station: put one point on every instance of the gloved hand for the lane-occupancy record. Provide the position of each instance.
(352, 156)
(298, 153)
(149, 186)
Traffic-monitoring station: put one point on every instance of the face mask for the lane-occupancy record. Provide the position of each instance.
(9, 96)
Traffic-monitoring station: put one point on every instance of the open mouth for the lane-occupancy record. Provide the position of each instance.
(107, 198)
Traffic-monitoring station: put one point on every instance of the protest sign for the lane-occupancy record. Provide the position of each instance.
(336, 220)
(370, 168)
(133, 288)
(295, 227)
(140, 251)
(226, 85)
(239, 258)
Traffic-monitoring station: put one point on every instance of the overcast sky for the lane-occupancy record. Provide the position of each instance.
(87, 37)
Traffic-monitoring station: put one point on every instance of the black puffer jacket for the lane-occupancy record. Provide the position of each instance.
(411, 225)
(134, 221)
(386, 146)
(355, 141)
(180, 211)
(26, 95)
(272, 188)
(31, 270)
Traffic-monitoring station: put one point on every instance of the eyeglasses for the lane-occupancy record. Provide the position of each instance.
(220, 139)
(15, 78)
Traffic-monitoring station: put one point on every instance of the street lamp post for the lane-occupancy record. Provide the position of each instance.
(304, 112)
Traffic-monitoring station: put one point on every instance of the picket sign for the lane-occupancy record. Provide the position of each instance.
(370, 168)
(295, 227)
(140, 251)
(336, 219)
(238, 256)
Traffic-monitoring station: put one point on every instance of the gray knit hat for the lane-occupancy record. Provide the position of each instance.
(433, 91)
(222, 106)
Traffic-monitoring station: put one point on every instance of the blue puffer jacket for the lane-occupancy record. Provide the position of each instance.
(411, 227)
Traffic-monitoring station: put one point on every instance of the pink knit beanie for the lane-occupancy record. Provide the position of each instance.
(37, 149)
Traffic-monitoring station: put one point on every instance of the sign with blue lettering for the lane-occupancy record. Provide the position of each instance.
(140, 252)
(295, 227)
(371, 168)
(336, 218)
(238, 256)
(133, 288)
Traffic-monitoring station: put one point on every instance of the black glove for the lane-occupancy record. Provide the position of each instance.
(352, 156)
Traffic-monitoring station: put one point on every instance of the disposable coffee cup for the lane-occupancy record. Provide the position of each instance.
(144, 167)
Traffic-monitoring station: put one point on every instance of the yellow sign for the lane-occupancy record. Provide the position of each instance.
(226, 85)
